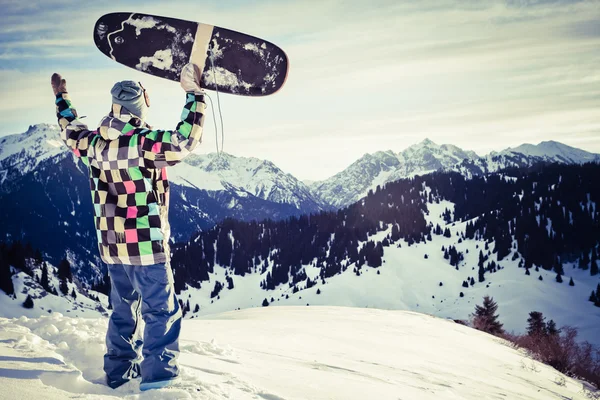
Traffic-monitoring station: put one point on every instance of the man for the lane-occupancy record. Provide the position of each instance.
(127, 164)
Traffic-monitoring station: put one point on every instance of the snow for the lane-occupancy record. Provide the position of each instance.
(142, 23)
(162, 59)
(45, 303)
(222, 77)
(27, 150)
(187, 175)
(255, 48)
(286, 353)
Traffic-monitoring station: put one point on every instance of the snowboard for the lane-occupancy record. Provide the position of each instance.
(230, 61)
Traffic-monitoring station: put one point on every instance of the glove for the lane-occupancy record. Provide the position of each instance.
(59, 85)
(190, 78)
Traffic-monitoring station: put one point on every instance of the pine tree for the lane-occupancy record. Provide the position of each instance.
(197, 308)
(571, 283)
(44, 281)
(594, 263)
(558, 268)
(481, 274)
(28, 303)
(485, 317)
(584, 261)
(536, 325)
(265, 303)
(481, 259)
(559, 278)
(64, 288)
(593, 297)
(64, 270)
(551, 328)
(6, 283)
(182, 308)
(74, 294)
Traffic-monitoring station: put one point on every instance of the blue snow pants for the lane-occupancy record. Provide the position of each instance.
(142, 293)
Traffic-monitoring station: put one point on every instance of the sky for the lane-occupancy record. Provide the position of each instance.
(364, 76)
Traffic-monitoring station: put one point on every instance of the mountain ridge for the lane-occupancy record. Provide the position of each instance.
(381, 167)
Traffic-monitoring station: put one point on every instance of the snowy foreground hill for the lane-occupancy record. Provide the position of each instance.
(278, 353)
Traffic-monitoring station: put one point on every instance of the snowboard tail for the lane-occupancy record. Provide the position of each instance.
(231, 62)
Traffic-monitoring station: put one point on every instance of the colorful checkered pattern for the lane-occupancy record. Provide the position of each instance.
(128, 177)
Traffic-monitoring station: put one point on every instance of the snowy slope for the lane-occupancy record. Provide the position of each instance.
(289, 353)
(46, 303)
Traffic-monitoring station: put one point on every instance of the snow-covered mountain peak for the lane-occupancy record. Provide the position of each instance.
(261, 178)
(42, 140)
(383, 159)
(554, 151)
(424, 145)
(428, 148)
(427, 143)
(377, 169)
(23, 152)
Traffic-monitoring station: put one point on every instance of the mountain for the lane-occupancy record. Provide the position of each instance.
(45, 199)
(526, 155)
(436, 244)
(21, 154)
(259, 178)
(339, 353)
(377, 169)
(552, 151)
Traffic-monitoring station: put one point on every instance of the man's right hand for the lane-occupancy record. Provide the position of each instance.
(59, 85)
(190, 78)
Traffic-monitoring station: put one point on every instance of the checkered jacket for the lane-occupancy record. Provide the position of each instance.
(128, 177)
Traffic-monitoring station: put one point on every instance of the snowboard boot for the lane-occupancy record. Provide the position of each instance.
(160, 384)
